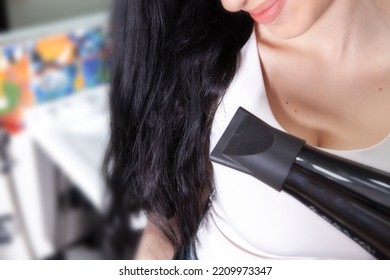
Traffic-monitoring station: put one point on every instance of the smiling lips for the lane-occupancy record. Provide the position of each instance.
(268, 11)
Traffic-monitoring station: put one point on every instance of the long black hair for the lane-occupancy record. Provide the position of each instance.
(171, 64)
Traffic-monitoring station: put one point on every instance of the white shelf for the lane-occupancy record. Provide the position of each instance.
(74, 133)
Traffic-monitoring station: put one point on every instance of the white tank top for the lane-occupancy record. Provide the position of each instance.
(250, 220)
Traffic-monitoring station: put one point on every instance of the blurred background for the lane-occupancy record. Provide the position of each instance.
(54, 60)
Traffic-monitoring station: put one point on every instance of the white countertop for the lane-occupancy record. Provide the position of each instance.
(73, 132)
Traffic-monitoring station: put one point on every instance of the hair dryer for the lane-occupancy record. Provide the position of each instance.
(353, 197)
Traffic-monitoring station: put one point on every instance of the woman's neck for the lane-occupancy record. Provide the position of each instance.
(347, 29)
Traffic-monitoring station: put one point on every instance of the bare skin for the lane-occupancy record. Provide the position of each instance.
(329, 85)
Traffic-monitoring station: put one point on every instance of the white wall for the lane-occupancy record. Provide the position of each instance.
(27, 13)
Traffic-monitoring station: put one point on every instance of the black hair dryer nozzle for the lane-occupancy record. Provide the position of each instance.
(352, 196)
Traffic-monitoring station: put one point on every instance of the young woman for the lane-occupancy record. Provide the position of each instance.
(318, 70)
